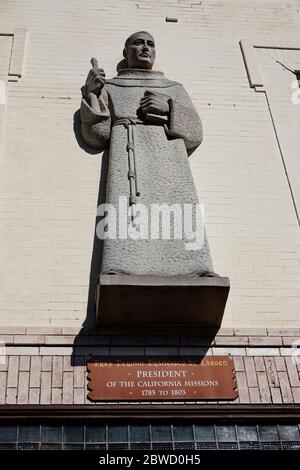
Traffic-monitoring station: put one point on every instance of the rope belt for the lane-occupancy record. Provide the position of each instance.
(130, 124)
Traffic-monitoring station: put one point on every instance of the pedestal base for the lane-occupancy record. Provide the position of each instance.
(138, 300)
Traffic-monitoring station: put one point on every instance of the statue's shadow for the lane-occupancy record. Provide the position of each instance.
(90, 321)
(78, 136)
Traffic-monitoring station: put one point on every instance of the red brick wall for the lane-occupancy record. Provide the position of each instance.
(47, 366)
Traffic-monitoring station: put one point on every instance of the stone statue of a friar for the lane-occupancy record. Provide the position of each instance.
(150, 127)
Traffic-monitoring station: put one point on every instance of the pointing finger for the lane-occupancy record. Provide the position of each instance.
(94, 63)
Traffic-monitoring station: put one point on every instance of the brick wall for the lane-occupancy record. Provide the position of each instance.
(49, 184)
(48, 366)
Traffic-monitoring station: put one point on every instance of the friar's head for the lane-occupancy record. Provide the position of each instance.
(139, 50)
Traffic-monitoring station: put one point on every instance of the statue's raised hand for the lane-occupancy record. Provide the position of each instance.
(95, 80)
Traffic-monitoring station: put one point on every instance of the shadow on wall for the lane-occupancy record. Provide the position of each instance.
(95, 267)
(78, 136)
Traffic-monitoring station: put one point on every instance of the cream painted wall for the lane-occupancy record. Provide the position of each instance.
(49, 184)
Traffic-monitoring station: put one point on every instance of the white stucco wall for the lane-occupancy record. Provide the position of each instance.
(49, 184)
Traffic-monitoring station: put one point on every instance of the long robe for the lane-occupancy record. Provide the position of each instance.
(163, 170)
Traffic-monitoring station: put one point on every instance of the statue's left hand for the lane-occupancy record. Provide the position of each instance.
(155, 103)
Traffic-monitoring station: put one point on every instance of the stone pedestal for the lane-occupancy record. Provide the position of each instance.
(138, 300)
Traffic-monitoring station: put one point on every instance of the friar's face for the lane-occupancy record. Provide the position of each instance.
(140, 51)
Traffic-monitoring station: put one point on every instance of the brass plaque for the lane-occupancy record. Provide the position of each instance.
(208, 378)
